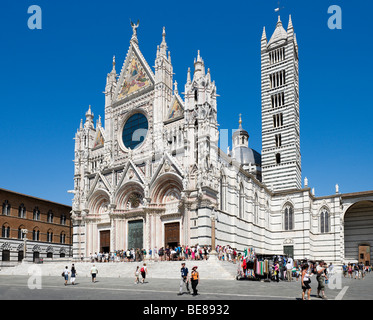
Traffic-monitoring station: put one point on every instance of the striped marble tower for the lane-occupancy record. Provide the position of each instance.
(281, 158)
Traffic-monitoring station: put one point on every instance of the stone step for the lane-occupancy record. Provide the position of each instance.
(208, 269)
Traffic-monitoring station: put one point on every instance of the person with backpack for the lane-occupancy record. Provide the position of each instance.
(194, 280)
(144, 271)
(184, 279)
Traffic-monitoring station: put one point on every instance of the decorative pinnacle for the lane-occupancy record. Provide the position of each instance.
(240, 121)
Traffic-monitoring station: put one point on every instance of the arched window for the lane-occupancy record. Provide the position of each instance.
(36, 215)
(6, 208)
(5, 231)
(22, 211)
(35, 234)
(63, 219)
(62, 237)
(324, 221)
(50, 216)
(241, 202)
(288, 217)
(49, 236)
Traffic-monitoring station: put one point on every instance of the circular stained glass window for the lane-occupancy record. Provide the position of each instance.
(134, 131)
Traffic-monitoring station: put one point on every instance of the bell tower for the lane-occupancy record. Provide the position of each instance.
(281, 157)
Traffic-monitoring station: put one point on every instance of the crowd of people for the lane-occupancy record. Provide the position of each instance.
(355, 270)
(168, 253)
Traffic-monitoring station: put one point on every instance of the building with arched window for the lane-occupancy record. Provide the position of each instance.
(153, 174)
(22, 212)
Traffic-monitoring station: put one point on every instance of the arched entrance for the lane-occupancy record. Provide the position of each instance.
(358, 232)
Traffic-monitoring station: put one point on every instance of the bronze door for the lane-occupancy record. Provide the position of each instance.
(172, 234)
(135, 234)
(105, 241)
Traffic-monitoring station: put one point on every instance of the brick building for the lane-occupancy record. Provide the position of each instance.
(48, 226)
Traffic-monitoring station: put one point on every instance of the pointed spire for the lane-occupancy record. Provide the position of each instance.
(188, 76)
(114, 71)
(290, 25)
(264, 35)
(175, 89)
(240, 121)
(163, 46)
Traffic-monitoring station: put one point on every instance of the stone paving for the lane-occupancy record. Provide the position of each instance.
(35, 287)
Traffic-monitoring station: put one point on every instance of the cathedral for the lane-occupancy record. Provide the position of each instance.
(152, 173)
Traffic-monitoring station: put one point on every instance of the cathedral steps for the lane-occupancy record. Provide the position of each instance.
(208, 269)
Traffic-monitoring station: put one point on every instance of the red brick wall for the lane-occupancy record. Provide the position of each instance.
(14, 222)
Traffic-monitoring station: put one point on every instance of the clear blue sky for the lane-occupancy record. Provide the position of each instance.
(50, 76)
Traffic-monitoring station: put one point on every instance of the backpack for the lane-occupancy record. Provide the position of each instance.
(142, 269)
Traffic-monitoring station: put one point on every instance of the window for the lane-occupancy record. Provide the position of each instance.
(22, 211)
(50, 216)
(324, 221)
(278, 140)
(278, 100)
(5, 231)
(277, 79)
(276, 56)
(63, 219)
(134, 131)
(6, 208)
(278, 120)
(278, 158)
(36, 215)
(21, 235)
(288, 217)
(35, 235)
(62, 237)
(49, 236)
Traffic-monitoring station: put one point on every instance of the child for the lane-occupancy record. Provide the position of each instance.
(137, 275)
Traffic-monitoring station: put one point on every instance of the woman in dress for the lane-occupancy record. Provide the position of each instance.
(306, 282)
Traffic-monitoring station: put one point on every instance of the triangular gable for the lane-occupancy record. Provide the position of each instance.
(99, 182)
(99, 140)
(132, 173)
(136, 74)
(167, 164)
(176, 109)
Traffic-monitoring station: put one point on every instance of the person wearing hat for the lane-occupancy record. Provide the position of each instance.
(194, 279)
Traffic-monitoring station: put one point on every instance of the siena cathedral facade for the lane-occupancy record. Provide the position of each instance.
(152, 174)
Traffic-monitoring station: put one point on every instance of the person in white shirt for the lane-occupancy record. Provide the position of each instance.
(289, 269)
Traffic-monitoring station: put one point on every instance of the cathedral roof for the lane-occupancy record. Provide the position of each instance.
(279, 33)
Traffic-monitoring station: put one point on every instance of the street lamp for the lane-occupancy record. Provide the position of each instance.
(24, 233)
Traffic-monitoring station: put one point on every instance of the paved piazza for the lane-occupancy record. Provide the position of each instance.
(106, 288)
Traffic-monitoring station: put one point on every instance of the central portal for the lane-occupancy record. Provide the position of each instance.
(172, 234)
(135, 234)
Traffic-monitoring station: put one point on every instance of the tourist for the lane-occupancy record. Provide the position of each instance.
(344, 269)
(321, 277)
(356, 270)
(194, 280)
(94, 272)
(184, 279)
(73, 274)
(137, 275)
(65, 274)
(276, 270)
(144, 271)
(305, 281)
(289, 270)
(350, 270)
